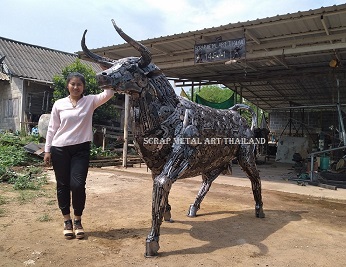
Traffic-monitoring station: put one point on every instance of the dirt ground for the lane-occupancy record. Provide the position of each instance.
(299, 229)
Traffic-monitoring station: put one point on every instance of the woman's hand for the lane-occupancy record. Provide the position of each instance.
(47, 158)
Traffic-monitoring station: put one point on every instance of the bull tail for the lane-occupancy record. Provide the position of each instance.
(236, 107)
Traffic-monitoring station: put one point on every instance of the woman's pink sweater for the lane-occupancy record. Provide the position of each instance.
(70, 125)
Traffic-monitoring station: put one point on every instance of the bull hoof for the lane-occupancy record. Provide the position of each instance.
(167, 216)
(192, 211)
(151, 249)
(259, 212)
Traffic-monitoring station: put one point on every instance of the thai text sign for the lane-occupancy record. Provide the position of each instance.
(222, 50)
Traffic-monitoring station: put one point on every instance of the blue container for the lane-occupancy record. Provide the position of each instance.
(324, 163)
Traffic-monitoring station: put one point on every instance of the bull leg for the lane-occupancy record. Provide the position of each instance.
(173, 169)
(167, 216)
(207, 180)
(167, 213)
(161, 188)
(246, 159)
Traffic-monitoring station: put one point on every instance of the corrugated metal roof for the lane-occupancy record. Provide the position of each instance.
(36, 62)
(287, 57)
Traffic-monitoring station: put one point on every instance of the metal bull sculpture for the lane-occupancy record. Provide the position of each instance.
(176, 137)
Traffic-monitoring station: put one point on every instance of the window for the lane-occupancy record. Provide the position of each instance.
(11, 108)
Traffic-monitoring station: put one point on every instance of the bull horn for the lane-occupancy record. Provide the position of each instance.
(102, 60)
(145, 53)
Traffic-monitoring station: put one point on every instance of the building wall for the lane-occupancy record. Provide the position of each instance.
(11, 102)
(22, 103)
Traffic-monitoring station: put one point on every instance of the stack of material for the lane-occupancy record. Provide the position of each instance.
(36, 149)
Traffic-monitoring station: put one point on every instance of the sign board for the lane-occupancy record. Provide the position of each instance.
(221, 50)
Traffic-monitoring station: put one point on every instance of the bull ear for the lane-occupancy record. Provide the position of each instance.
(106, 62)
(145, 54)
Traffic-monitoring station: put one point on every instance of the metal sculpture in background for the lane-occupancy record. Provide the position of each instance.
(176, 137)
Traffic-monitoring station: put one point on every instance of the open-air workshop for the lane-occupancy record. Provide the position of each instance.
(265, 167)
(297, 77)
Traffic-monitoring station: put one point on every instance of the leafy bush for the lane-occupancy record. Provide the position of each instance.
(2, 171)
(13, 158)
(96, 152)
(8, 175)
(31, 178)
(12, 152)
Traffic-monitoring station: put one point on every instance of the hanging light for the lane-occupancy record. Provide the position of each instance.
(334, 63)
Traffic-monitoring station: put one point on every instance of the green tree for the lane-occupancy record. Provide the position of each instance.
(102, 114)
(214, 93)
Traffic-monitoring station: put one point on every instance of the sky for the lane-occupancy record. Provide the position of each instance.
(59, 24)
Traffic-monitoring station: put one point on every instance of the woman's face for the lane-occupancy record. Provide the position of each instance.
(75, 87)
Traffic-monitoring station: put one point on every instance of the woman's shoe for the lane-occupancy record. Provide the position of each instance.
(78, 229)
(68, 229)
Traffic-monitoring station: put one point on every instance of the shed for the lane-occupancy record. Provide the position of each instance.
(295, 59)
(291, 65)
(26, 81)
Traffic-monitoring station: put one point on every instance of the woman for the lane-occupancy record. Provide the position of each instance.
(68, 146)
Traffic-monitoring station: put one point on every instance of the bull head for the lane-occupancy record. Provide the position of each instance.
(125, 75)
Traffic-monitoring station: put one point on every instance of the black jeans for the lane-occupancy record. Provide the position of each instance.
(70, 164)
